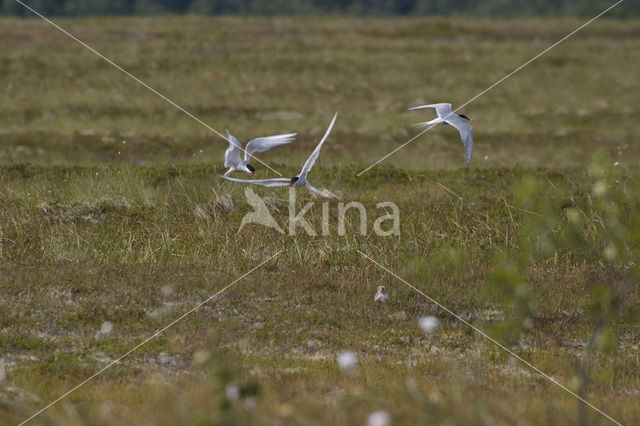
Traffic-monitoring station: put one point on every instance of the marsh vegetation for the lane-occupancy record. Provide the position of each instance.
(113, 222)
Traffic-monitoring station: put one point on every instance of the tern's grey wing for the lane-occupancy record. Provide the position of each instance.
(442, 109)
(262, 182)
(266, 143)
(232, 157)
(316, 152)
(466, 133)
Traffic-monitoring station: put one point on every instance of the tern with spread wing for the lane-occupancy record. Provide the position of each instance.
(299, 180)
(234, 160)
(459, 121)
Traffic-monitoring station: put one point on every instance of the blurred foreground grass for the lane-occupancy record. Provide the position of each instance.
(111, 212)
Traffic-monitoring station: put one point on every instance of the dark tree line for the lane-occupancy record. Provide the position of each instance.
(299, 7)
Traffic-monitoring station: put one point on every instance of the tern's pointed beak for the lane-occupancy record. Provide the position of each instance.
(290, 183)
(253, 173)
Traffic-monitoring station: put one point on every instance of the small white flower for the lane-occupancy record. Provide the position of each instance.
(106, 327)
(164, 358)
(166, 290)
(313, 344)
(379, 418)
(250, 402)
(599, 188)
(106, 409)
(232, 391)
(486, 157)
(429, 324)
(610, 252)
(347, 361)
(617, 163)
(124, 142)
(574, 215)
(200, 357)
(434, 397)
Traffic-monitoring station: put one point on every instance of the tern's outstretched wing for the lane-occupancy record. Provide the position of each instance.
(316, 152)
(232, 157)
(266, 143)
(262, 182)
(441, 109)
(466, 133)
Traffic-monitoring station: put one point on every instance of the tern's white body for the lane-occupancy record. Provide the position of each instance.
(234, 160)
(381, 295)
(300, 179)
(460, 122)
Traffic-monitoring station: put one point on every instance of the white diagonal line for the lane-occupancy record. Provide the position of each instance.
(157, 333)
(496, 83)
(151, 89)
(497, 343)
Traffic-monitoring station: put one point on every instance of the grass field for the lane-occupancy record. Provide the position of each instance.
(111, 213)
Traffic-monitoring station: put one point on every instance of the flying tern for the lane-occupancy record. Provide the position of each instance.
(300, 179)
(459, 121)
(236, 163)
